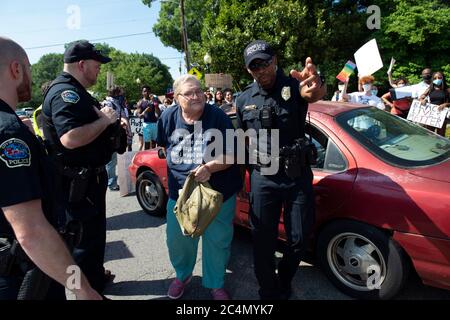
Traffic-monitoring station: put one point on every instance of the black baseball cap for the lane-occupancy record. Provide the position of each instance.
(257, 49)
(84, 50)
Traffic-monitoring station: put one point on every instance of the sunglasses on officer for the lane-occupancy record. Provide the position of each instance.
(257, 65)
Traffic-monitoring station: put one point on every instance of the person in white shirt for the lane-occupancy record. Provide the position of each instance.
(366, 97)
(420, 88)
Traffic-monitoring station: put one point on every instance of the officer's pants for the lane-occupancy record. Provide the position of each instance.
(269, 194)
(216, 246)
(90, 253)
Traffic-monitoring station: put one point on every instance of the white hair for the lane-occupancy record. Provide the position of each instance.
(178, 83)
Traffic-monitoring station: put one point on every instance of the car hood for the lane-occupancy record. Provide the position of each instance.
(438, 172)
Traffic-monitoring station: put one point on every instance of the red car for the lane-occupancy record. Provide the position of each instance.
(382, 190)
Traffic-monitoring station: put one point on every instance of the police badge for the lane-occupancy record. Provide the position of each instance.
(286, 93)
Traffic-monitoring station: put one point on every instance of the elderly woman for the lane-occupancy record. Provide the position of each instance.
(176, 135)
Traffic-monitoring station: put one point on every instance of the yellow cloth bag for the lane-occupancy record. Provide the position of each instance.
(196, 207)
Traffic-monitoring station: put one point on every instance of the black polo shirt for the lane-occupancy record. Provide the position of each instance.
(70, 106)
(20, 155)
(289, 107)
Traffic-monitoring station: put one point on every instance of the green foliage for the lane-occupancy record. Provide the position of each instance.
(46, 69)
(415, 32)
(127, 68)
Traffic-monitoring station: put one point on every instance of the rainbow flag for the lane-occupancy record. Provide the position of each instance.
(347, 71)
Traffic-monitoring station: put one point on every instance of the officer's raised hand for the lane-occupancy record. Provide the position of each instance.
(312, 88)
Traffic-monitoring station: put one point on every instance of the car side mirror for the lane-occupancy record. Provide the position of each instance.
(161, 154)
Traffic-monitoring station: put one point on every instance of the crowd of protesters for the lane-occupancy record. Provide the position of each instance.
(432, 89)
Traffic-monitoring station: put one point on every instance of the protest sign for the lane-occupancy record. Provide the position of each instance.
(427, 114)
(136, 125)
(219, 80)
(391, 65)
(368, 59)
(401, 92)
(124, 179)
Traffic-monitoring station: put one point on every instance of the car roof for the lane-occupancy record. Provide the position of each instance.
(333, 108)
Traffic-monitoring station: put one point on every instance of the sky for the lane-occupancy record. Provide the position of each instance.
(43, 26)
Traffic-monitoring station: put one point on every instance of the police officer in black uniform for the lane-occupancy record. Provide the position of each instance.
(275, 101)
(23, 188)
(82, 139)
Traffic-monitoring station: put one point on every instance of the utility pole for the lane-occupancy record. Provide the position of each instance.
(185, 38)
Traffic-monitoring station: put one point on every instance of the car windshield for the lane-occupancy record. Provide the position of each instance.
(394, 139)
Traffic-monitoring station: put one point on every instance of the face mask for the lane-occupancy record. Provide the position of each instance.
(367, 87)
(121, 99)
(374, 92)
(437, 82)
(341, 88)
(400, 85)
(426, 77)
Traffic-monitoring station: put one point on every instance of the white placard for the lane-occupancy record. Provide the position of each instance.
(391, 65)
(136, 125)
(368, 59)
(124, 179)
(401, 92)
(427, 114)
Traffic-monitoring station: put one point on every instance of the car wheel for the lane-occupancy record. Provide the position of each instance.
(361, 260)
(150, 194)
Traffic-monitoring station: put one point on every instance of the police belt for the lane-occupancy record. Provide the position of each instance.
(261, 155)
(72, 172)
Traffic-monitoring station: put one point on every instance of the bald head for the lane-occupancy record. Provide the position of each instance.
(15, 73)
(10, 51)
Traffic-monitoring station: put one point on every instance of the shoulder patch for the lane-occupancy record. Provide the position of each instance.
(70, 96)
(15, 153)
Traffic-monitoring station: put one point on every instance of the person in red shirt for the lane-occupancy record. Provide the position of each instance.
(398, 107)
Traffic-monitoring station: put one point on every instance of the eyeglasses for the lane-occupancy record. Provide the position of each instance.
(191, 94)
(259, 65)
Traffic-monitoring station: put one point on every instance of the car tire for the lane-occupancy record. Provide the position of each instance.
(362, 261)
(151, 194)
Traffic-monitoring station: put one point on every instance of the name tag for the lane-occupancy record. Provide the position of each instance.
(250, 107)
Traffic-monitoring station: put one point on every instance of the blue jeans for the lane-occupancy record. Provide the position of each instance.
(111, 170)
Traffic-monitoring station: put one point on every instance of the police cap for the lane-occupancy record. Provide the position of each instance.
(83, 50)
(257, 49)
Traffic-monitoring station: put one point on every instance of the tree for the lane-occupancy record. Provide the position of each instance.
(414, 32)
(46, 69)
(128, 68)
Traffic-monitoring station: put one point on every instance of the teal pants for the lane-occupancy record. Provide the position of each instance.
(216, 245)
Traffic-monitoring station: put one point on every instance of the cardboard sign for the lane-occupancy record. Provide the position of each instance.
(219, 80)
(124, 178)
(136, 125)
(368, 59)
(427, 114)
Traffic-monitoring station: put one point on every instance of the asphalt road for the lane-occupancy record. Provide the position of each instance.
(136, 253)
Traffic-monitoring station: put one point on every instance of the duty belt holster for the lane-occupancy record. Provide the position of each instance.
(11, 256)
(79, 181)
(296, 157)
